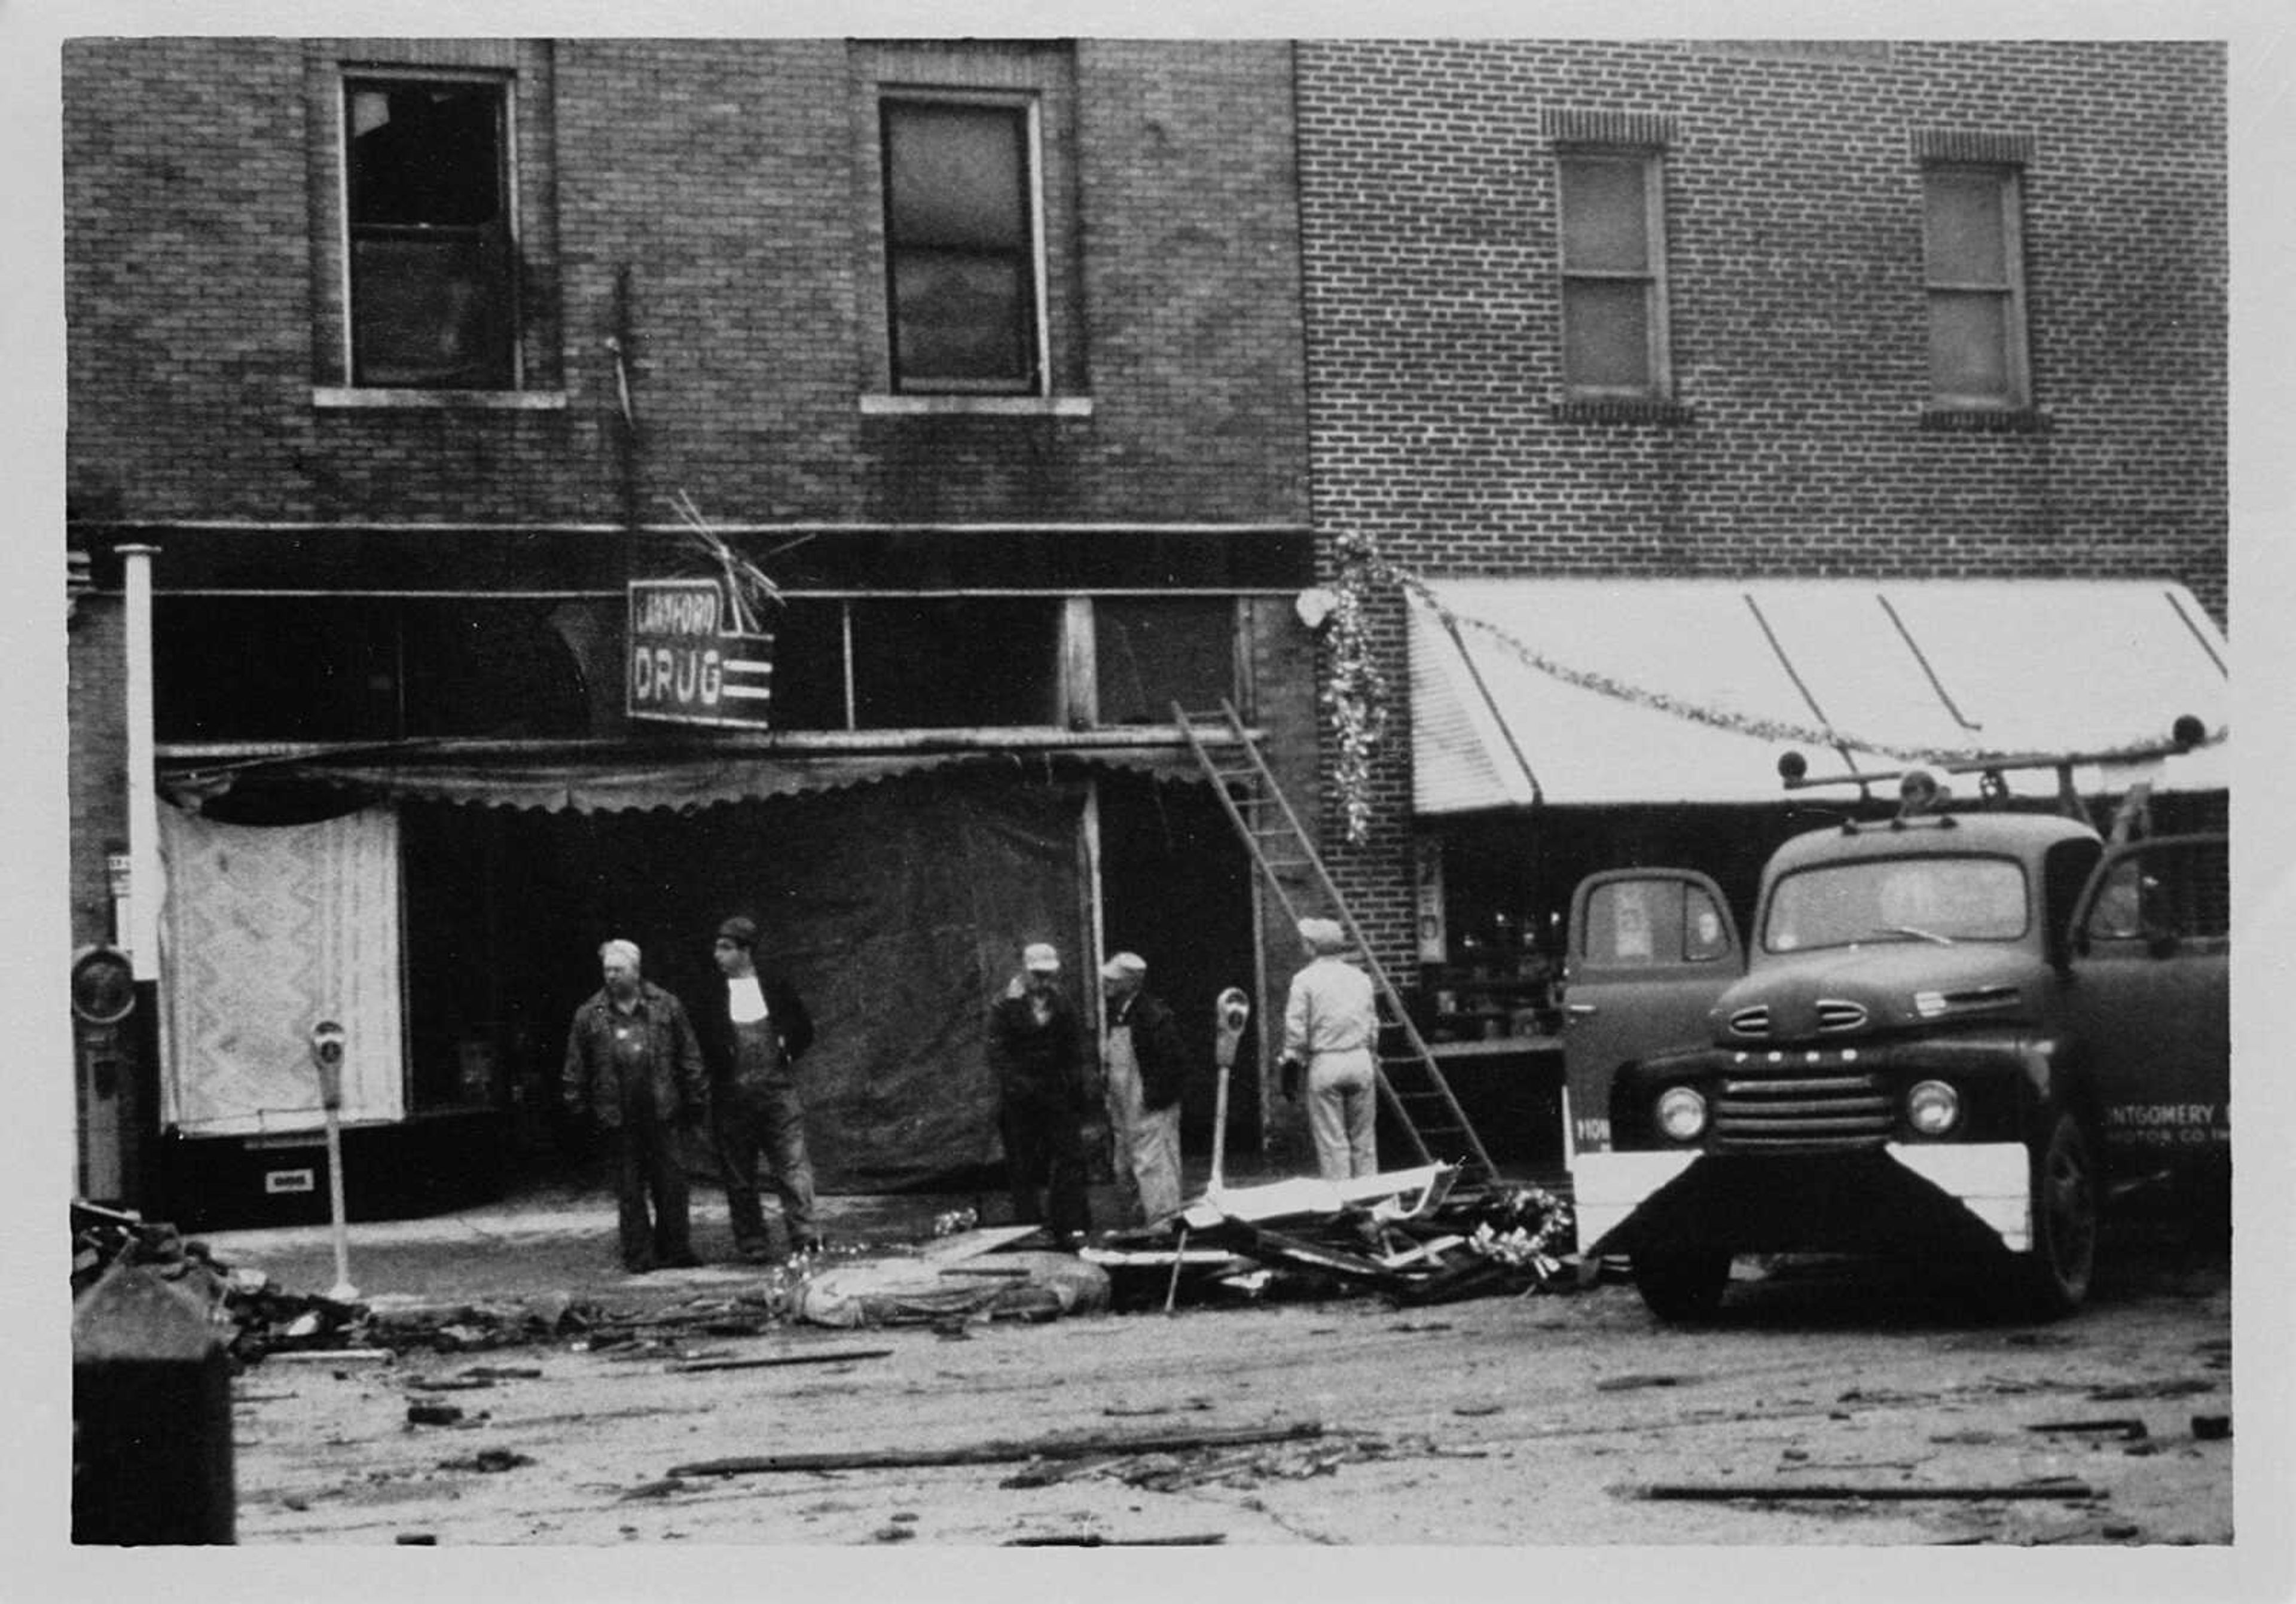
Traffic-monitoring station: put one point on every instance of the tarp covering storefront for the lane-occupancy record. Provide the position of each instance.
(1681, 689)
(897, 909)
(267, 932)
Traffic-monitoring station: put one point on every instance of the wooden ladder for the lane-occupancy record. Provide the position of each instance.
(1409, 1080)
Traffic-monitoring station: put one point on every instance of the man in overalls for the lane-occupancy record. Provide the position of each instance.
(757, 1028)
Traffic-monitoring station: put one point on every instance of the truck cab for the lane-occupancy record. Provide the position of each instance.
(1944, 1032)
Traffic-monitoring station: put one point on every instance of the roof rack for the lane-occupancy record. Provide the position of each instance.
(1919, 792)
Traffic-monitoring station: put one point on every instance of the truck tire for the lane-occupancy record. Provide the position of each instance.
(1684, 1286)
(2064, 1257)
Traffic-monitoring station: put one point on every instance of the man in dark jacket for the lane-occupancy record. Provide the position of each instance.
(634, 1066)
(753, 1035)
(1036, 1055)
(1147, 1067)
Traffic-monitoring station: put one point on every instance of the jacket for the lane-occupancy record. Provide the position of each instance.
(1157, 1048)
(783, 1006)
(677, 1087)
(1045, 1061)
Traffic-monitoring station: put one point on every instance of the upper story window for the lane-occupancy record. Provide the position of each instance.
(432, 251)
(1974, 273)
(1613, 254)
(963, 263)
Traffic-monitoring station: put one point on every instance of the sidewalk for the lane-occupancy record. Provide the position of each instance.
(559, 1237)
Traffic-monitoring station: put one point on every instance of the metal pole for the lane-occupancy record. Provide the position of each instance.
(141, 935)
(342, 1291)
(327, 1055)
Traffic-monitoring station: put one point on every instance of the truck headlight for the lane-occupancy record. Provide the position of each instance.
(1931, 1106)
(1681, 1113)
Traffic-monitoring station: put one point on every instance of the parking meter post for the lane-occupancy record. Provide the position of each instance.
(327, 1055)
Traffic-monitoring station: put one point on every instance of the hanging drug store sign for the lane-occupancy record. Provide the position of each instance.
(688, 664)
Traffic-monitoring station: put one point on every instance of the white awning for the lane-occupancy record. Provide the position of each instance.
(1689, 690)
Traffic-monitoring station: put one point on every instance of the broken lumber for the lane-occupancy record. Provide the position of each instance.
(765, 1360)
(1094, 1539)
(1001, 1453)
(1788, 1492)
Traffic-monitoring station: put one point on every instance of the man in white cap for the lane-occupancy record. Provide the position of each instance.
(1331, 1030)
(634, 1064)
(1147, 1067)
(1036, 1055)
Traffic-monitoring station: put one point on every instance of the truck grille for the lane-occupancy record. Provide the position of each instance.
(1806, 1112)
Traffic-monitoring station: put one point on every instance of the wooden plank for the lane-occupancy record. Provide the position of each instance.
(973, 1244)
(765, 1360)
(1001, 1453)
(1899, 1492)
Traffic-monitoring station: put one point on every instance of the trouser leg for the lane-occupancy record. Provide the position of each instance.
(784, 1143)
(1128, 1120)
(1327, 1119)
(1363, 1128)
(673, 1238)
(1070, 1204)
(737, 1163)
(626, 1158)
(1025, 1160)
(1156, 1162)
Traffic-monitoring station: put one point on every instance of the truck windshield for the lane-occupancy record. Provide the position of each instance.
(1936, 899)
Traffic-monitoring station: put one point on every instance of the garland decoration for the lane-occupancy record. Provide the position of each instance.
(1357, 693)
(1357, 690)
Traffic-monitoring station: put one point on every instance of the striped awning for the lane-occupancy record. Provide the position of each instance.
(1625, 690)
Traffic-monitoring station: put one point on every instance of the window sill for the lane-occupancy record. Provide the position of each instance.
(976, 406)
(1622, 409)
(348, 399)
(1984, 420)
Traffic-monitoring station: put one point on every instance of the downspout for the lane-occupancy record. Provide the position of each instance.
(140, 930)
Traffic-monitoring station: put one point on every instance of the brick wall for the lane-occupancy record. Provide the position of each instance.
(735, 183)
(1797, 327)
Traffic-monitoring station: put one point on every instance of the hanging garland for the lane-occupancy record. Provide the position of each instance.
(1357, 693)
(1357, 690)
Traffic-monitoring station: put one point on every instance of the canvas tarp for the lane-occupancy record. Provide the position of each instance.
(267, 932)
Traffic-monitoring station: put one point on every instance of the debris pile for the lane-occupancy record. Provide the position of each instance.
(1416, 1237)
(260, 1317)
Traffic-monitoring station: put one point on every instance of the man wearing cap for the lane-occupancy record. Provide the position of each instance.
(1146, 1066)
(634, 1064)
(1036, 1055)
(753, 1038)
(1331, 1026)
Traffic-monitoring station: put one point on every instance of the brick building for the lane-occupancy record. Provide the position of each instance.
(1669, 360)
(1041, 378)
(393, 363)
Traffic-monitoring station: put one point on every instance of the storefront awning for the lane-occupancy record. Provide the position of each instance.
(610, 778)
(1622, 690)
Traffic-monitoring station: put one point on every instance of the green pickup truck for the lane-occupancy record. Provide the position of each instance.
(1945, 1034)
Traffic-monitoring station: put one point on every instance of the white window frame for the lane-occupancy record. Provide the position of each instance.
(1658, 354)
(352, 392)
(2016, 361)
(1031, 105)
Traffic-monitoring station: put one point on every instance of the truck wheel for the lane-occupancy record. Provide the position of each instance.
(2064, 1256)
(1684, 1286)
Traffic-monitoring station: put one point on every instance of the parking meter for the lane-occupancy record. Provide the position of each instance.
(327, 1053)
(1229, 1014)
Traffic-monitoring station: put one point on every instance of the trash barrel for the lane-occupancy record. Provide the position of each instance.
(152, 1449)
